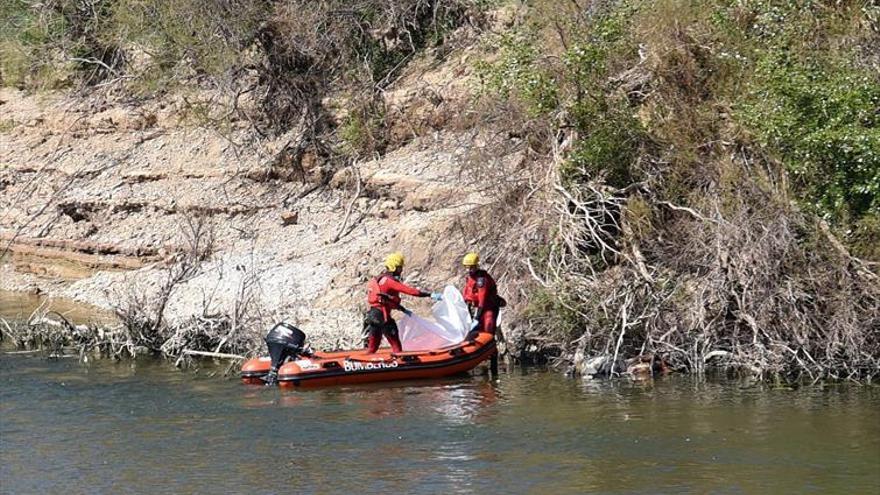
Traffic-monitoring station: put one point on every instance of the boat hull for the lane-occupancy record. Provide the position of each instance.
(354, 367)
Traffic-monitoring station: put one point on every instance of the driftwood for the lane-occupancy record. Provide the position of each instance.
(219, 355)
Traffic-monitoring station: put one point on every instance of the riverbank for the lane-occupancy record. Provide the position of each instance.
(647, 180)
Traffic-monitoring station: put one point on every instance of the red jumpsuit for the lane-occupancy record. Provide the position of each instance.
(383, 295)
(481, 294)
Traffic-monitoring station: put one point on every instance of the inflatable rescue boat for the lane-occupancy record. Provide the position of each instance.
(356, 366)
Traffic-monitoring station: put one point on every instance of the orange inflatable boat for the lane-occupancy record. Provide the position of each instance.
(356, 366)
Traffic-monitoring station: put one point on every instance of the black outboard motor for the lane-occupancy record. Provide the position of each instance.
(284, 341)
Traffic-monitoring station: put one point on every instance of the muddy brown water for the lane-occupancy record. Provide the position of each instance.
(16, 305)
(20, 306)
(146, 427)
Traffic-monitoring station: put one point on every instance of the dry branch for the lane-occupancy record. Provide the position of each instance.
(219, 355)
(355, 196)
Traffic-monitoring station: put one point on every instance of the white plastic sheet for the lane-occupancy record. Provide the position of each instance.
(450, 326)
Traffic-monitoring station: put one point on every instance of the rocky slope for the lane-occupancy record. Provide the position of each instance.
(116, 187)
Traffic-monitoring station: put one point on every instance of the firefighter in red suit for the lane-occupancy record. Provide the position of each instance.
(383, 295)
(481, 296)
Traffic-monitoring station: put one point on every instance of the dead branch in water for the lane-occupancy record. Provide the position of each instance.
(735, 291)
(142, 312)
(140, 333)
(220, 355)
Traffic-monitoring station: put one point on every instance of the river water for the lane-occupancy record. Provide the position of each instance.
(146, 427)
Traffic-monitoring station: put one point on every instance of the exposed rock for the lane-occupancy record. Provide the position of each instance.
(598, 365)
(289, 217)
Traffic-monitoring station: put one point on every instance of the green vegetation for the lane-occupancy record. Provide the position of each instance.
(7, 125)
(517, 75)
(691, 125)
(362, 132)
(70, 42)
(791, 73)
(186, 37)
(812, 103)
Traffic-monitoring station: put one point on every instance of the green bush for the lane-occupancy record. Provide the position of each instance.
(810, 102)
(363, 132)
(518, 74)
(206, 37)
(552, 309)
(91, 41)
(574, 87)
(822, 122)
(609, 146)
(28, 41)
(864, 238)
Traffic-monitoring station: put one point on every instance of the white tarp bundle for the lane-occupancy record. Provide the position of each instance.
(451, 325)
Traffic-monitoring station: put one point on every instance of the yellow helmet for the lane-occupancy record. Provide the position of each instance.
(471, 259)
(394, 261)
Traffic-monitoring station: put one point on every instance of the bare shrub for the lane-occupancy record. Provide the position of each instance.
(348, 50)
(142, 311)
(747, 284)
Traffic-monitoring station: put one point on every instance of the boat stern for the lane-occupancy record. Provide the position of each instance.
(253, 370)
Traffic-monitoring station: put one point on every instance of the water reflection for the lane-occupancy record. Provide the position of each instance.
(148, 428)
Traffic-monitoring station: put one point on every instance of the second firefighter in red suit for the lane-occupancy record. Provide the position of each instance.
(383, 296)
(481, 296)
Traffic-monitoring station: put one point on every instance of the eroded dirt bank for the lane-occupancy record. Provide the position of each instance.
(123, 189)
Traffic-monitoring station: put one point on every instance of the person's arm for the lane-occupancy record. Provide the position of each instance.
(467, 291)
(482, 292)
(482, 295)
(405, 289)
